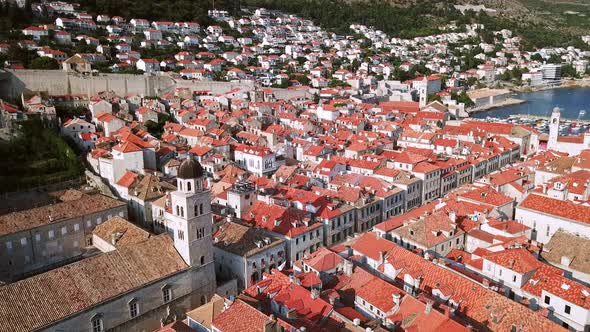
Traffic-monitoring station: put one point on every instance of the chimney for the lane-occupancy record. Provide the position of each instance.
(269, 324)
(114, 238)
(417, 282)
(428, 307)
(315, 293)
(397, 297)
(453, 216)
(348, 267)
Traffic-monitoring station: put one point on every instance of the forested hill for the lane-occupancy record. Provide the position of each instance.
(400, 18)
(335, 15)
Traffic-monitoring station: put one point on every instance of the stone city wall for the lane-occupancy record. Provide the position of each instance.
(57, 82)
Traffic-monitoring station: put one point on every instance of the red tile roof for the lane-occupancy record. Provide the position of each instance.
(558, 208)
(373, 246)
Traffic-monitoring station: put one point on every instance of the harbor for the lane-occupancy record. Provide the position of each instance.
(573, 102)
(541, 123)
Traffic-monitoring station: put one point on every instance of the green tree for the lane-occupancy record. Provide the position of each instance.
(537, 57)
(434, 97)
(44, 63)
(462, 97)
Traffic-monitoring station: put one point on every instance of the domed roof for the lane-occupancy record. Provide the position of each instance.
(190, 169)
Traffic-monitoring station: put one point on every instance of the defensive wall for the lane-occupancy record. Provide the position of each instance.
(58, 82)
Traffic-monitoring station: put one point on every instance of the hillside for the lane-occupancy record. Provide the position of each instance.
(541, 23)
(571, 16)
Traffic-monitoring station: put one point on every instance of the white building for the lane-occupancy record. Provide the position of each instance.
(258, 160)
(545, 216)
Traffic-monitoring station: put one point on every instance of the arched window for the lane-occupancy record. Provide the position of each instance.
(182, 211)
(188, 186)
(133, 308)
(96, 323)
(201, 208)
(180, 184)
(202, 260)
(177, 210)
(203, 299)
(167, 294)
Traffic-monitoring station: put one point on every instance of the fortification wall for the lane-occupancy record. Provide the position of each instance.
(58, 82)
(215, 87)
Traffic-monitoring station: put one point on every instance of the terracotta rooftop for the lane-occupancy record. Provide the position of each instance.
(557, 208)
(36, 302)
(241, 240)
(574, 247)
(45, 215)
(121, 231)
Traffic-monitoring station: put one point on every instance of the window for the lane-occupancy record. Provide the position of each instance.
(50, 234)
(180, 235)
(64, 230)
(8, 245)
(202, 260)
(567, 309)
(167, 294)
(23, 241)
(133, 308)
(547, 299)
(96, 323)
(513, 278)
(188, 186)
(37, 237)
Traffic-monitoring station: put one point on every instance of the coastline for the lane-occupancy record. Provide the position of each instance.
(485, 108)
(565, 83)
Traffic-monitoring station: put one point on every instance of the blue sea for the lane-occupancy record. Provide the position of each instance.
(570, 100)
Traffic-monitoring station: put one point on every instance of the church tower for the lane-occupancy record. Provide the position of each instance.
(554, 128)
(190, 222)
(423, 92)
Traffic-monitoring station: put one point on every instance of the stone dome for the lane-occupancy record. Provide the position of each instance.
(190, 169)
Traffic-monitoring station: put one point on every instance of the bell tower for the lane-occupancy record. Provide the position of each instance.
(554, 128)
(423, 92)
(190, 221)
